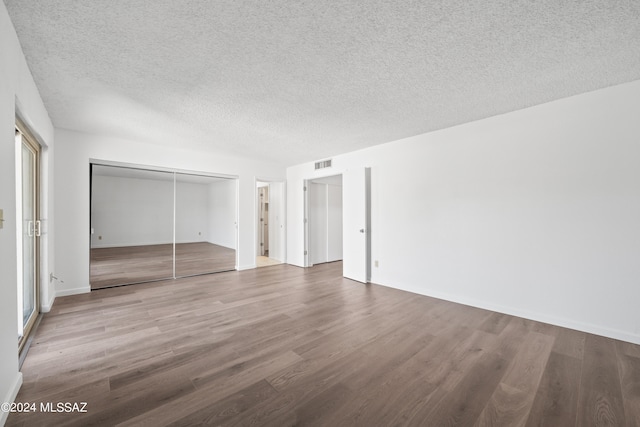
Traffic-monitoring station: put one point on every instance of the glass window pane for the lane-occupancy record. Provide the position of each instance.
(28, 234)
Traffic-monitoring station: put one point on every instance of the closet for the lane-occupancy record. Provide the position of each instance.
(149, 225)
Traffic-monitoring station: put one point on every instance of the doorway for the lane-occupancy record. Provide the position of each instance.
(325, 219)
(270, 223)
(28, 231)
(320, 206)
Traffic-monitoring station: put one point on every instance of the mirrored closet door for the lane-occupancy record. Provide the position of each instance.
(131, 226)
(205, 224)
(149, 225)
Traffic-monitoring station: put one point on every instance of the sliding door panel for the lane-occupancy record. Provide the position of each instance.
(205, 224)
(30, 227)
(132, 214)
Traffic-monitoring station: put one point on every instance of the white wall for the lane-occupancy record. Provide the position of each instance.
(222, 213)
(134, 211)
(192, 212)
(533, 213)
(131, 211)
(74, 151)
(19, 92)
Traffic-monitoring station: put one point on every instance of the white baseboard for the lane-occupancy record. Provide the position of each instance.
(246, 267)
(127, 245)
(46, 307)
(75, 291)
(526, 314)
(130, 244)
(11, 396)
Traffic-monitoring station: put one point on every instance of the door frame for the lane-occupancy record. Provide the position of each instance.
(306, 188)
(367, 222)
(27, 139)
(175, 172)
(309, 216)
(261, 224)
(256, 220)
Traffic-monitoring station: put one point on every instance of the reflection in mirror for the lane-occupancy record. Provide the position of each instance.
(131, 226)
(205, 224)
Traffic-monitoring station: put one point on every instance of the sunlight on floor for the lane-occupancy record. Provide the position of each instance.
(263, 261)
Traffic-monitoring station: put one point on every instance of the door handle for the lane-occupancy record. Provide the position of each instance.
(37, 228)
(30, 228)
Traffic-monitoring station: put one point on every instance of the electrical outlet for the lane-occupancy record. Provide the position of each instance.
(375, 263)
(99, 237)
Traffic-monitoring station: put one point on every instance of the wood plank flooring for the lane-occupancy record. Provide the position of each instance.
(283, 346)
(263, 261)
(136, 264)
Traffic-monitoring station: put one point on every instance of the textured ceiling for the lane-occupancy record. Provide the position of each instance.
(294, 81)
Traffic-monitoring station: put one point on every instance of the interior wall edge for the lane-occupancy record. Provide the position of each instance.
(11, 396)
(19, 96)
(45, 307)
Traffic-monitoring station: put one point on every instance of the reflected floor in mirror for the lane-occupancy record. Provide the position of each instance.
(137, 264)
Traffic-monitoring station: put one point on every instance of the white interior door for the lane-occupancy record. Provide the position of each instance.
(276, 221)
(355, 199)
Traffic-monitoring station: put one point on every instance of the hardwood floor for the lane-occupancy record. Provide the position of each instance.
(263, 261)
(282, 346)
(136, 264)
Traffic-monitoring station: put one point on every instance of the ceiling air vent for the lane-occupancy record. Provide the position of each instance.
(323, 164)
